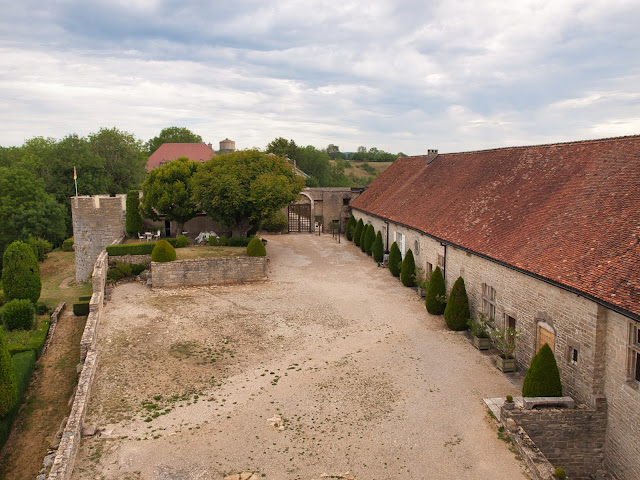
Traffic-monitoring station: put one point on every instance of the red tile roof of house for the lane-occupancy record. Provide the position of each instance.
(198, 152)
(568, 212)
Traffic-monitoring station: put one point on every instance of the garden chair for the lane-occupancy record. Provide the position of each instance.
(156, 236)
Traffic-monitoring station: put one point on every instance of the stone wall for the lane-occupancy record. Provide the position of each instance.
(572, 439)
(208, 271)
(135, 259)
(98, 221)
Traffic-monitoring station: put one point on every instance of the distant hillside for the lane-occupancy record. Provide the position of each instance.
(362, 174)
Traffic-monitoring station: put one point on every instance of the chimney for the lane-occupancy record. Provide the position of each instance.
(210, 145)
(431, 155)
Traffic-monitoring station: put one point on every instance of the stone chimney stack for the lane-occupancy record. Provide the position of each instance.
(431, 155)
(210, 145)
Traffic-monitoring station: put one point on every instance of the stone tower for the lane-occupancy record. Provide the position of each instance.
(227, 146)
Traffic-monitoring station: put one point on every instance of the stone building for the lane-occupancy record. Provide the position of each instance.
(547, 239)
(321, 205)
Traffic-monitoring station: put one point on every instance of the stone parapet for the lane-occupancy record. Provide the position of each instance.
(208, 271)
(135, 259)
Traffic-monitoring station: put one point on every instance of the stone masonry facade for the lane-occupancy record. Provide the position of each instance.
(596, 335)
(98, 221)
(208, 271)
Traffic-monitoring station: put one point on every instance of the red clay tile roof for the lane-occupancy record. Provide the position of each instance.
(198, 152)
(567, 212)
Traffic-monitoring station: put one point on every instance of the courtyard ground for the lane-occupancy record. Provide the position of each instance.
(329, 367)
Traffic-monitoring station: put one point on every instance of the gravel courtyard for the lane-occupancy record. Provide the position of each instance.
(330, 367)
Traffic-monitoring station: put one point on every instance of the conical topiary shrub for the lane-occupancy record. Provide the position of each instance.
(351, 225)
(435, 301)
(8, 388)
(357, 232)
(363, 238)
(256, 248)
(457, 313)
(163, 252)
(133, 218)
(395, 260)
(542, 378)
(378, 248)
(408, 270)
(370, 237)
(20, 273)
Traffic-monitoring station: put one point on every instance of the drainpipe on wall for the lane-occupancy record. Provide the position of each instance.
(444, 273)
(387, 244)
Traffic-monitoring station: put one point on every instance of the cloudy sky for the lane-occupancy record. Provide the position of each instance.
(399, 75)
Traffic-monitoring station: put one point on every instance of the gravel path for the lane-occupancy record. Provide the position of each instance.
(332, 366)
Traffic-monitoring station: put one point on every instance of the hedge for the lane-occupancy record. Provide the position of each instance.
(67, 245)
(23, 365)
(35, 342)
(238, 241)
(81, 309)
(131, 249)
(8, 387)
(18, 315)
(20, 273)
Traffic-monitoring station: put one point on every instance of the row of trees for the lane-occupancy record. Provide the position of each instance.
(363, 154)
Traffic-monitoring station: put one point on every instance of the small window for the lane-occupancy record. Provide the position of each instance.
(429, 270)
(346, 201)
(489, 301)
(634, 352)
(510, 322)
(441, 262)
(573, 356)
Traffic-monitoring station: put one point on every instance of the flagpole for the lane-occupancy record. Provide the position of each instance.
(75, 179)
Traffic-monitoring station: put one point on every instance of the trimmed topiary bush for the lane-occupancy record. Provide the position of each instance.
(20, 273)
(18, 315)
(223, 241)
(163, 252)
(363, 238)
(67, 245)
(542, 378)
(408, 270)
(357, 232)
(436, 292)
(395, 260)
(8, 387)
(559, 473)
(369, 238)
(181, 241)
(81, 309)
(213, 241)
(457, 313)
(133, 224)
(256, 248)
(378, 248)
(130, 249)
(351, 225)
(239, 241)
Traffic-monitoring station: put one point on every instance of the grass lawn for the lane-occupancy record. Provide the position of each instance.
(55, 273)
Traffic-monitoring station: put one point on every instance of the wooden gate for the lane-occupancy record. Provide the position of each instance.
(300, 217)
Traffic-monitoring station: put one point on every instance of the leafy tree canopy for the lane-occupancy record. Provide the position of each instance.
(172, 135)
(168, 191)
(241, 188)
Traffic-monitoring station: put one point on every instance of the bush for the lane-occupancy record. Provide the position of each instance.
(378, 248)
(276, 222)
(131, 249)
(181, 241)
(357, 232)
(559, 473)
(8, 386)
(224, 241)
(23, 365)
(85, 298)
(256, 248)
(214, 241)
(363, 238)
(41, 308)
(408, 270)
(369, 238)
(163, 252)
(67, 245)
(542, 378)
(134, 220)
(436, 292)
(81, 309)
(20, 273)
(457, 313)
(18, 315)
(395, 260)
(40, 247)
(34, 342)
(124, 270)
(351, 225)
(239, 241)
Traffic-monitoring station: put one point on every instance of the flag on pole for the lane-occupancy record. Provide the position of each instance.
(75, 179)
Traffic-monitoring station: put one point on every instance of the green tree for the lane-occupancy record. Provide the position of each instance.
(134, 220)
(408, 270)
(351, 225)
(8, 387)
(26, 209)
(242, 188)
(20, 273)
(542, 378)
(363, 238)
(370, 237)
(436, 291)
(357, 232)
(457, 313)
(124, 161)
(168, 192)
(395, 260)
(378, 248)
(171, 135)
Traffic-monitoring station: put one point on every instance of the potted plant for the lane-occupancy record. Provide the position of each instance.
(480, 332)
(505, 341)
(508, 404)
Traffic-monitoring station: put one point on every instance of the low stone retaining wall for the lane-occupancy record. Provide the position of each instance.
(208, 271)
(136, 259)
(569, 438)
(52, 326)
